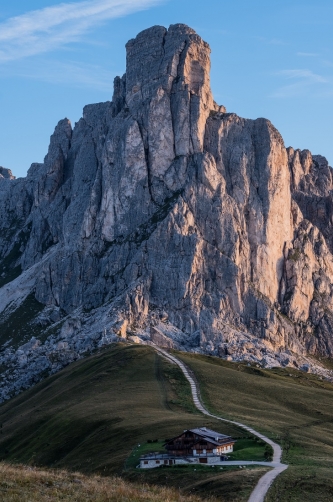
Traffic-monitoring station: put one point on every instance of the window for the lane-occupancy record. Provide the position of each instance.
(145, 462)
(157, 461)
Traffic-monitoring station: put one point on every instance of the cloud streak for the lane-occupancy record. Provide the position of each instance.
(270, 41)
(69, 73)
(305, 75)
(48, 29)
(303, 82)
(307, 54)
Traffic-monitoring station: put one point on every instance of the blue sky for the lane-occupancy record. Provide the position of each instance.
(269, 59)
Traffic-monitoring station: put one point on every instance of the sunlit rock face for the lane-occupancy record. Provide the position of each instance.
(162, 216)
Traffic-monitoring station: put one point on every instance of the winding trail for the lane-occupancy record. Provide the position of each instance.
(264, 483)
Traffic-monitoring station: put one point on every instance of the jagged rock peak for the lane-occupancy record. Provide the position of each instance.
(166, 90)
(162, 215)
(6, 174)
(163, 55)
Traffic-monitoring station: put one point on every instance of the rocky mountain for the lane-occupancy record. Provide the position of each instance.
(161, 217)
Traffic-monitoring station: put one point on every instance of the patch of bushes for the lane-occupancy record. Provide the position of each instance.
(295, 255)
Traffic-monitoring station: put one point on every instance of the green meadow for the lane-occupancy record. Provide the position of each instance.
(91, 417)
(293, 408)
(97, 416)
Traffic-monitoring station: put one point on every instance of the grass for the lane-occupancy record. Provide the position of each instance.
(249, 449)
(22, 484)
(10, 269)
(91, 416)
(327, 363)
(18, 327)
(224, 484)
(295, 255)
(9, 274)
(291, 407)
(142, 449)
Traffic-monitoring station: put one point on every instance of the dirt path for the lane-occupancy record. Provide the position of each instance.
(264, 483)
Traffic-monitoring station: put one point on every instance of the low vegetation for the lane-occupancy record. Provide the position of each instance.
(91, 416)
(24, 484)
(18, 327)
(220, 484)
(251, 449)
(292, 407)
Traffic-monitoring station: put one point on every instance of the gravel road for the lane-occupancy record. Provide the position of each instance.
(264, 483)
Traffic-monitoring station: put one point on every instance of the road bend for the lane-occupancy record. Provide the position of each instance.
(264, 483)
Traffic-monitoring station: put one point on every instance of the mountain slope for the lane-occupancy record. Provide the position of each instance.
(162, 216)
(92, 415)
(292, 407)
(24, 484)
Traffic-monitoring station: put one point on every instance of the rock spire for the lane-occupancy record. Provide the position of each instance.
(162, 217)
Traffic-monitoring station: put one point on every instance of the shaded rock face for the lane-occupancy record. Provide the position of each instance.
(160, 204)
(6, 174)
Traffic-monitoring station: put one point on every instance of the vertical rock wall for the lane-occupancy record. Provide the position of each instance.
(161, 202)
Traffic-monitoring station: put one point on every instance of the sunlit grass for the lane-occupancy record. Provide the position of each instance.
(26, 484)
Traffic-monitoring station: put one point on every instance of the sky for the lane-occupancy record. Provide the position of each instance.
(269, 59)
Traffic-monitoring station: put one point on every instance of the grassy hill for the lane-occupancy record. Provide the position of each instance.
(23, 484)
(92, 415)
(292, 407)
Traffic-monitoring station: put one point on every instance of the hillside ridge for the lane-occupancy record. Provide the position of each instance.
(162, 218)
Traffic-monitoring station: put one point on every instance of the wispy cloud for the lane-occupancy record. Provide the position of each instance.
(307, 54)
(69, 73)
(305, 75)
(47, 29)
(325, 62)
(276, 41)
(303, 82)
(270, 41)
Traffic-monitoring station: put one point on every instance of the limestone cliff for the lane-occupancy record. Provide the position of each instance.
(161, 217)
